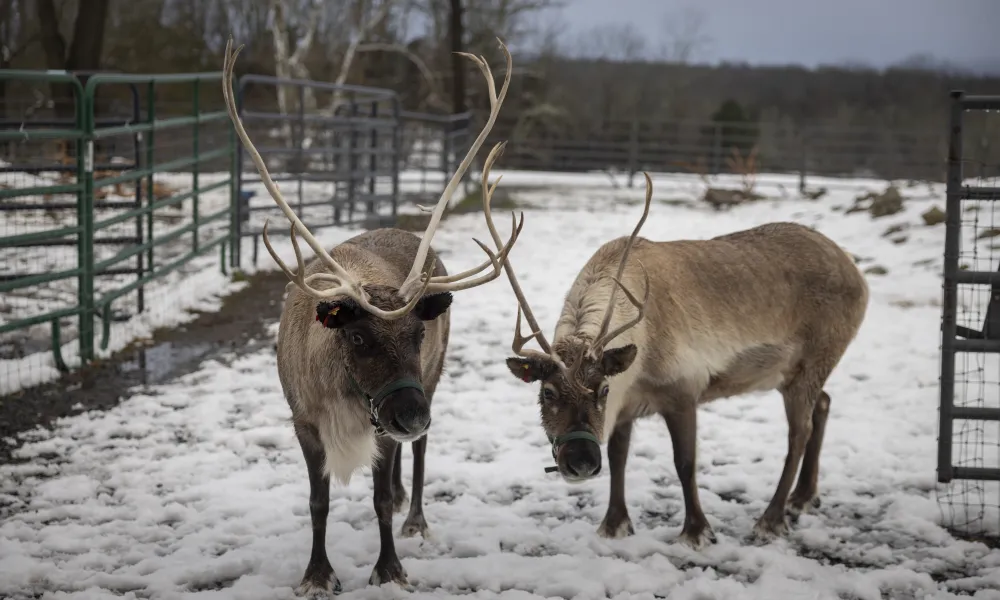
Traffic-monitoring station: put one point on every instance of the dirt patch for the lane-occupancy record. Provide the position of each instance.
(238, 328)
(472, 202)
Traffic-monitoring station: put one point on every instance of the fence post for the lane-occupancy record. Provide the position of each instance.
(448, 127)
(949, 304)
(397, 141)
(352, 159)
(803, 159)
(300, 167)
(150, 164)
(236, 183)
(85, 219)
(194, 172)
(716, 148)
(633, 151)
(372, 162)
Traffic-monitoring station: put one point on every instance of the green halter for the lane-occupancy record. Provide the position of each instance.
(568, 437)
(375, 402)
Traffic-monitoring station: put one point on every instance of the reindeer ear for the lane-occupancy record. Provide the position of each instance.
(336, 314)
(617, 360)
(533, 368)
(432, 306)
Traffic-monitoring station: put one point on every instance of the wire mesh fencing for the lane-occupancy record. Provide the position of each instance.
(969, 426)
(106, 216)
(123, 207)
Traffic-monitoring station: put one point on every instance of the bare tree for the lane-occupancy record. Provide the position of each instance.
(16, 36)
(684, 35)
(612, 41)
(433, 85)
(82, 53)
(364, 19)
(457, 67)
(300, 25)
(684, 40)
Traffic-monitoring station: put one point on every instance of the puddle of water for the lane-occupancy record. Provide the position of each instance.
(155, 364)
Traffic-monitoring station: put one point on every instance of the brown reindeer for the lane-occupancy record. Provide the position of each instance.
(771, 307)
(361, 345)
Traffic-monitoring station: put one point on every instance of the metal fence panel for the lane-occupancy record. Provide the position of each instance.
(90, 223)
(431, 146)
(970, 324)
(205, 223)
(337, 144)
(42, 288)
(708, 148)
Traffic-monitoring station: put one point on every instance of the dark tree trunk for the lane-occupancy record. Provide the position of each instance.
(84, 51)
(88, 36)
(457, 62)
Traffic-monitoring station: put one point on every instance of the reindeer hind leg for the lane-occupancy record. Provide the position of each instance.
(802, 393)
(805, 496)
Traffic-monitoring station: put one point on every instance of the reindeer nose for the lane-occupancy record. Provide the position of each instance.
(581, 458)
(411, 413)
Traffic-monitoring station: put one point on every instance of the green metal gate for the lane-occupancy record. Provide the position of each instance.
(157, 249)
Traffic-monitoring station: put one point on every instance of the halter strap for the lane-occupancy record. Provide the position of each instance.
(568, 437)
(375, 402)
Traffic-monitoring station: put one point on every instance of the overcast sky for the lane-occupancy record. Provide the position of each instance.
(876, 32)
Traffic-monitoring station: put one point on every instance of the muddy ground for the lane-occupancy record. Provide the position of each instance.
(238, 328)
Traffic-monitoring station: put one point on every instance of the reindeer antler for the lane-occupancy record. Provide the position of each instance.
(522, 303)
(603, 337)
(417, 283)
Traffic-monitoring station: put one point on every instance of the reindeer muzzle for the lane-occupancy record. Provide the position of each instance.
(559, 441)
(375, 401)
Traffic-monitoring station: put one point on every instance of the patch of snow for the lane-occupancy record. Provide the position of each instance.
(197, 487)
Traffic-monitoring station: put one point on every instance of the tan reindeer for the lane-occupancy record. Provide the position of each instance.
(361, 345)
(771, 307)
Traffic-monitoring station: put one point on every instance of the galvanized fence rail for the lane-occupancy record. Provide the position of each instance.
(72, 230)
(628, 147)
(153, 238)
(80, 232)
(431, 148)
(970, 324)
(132, 198)
(344, 163)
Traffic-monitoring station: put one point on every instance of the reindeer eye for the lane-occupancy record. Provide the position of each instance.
(548, 394)
(357, 340)
(604, 391)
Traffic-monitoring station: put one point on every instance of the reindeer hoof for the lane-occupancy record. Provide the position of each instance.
(697, 537)
(414, 525)
(798, 505)
(390, 572)
(767, 529)
(319, 581)
(614, 529)
(317, 587)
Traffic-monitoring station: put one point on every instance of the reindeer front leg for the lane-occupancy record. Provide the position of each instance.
(319, 577)
(387, 567)
(682, 423)
(416, 523)
(616, 523)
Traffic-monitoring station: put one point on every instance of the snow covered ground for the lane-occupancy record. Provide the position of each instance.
(196, 488)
